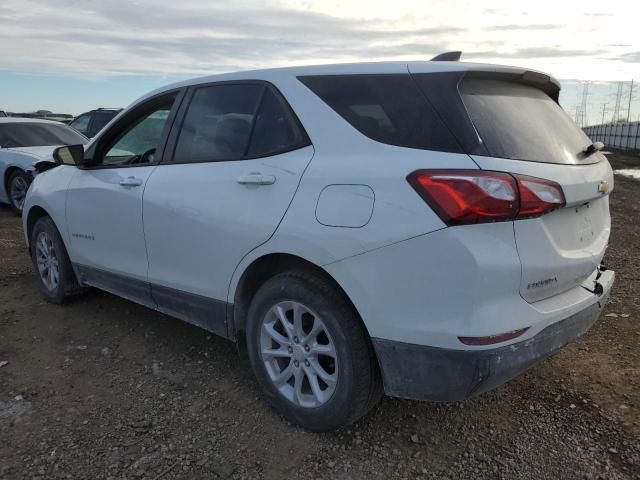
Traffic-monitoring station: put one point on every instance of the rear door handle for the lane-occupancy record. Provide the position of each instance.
(256, 179)
(131, 182)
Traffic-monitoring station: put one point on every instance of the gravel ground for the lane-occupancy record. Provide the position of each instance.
(103, 388)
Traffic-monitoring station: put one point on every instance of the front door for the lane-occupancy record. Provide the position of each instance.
(239, 157)
(104, 202)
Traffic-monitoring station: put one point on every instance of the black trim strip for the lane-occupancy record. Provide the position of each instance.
(204, 312)
(125, 287)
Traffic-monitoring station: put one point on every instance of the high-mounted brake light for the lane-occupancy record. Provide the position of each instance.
(462, 197)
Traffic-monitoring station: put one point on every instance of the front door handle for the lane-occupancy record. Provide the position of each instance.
(131, 182)
(256, 179)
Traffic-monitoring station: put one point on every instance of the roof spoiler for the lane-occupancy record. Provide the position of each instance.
(447, 57)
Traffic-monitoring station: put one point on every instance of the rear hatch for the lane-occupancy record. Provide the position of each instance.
(510, 121)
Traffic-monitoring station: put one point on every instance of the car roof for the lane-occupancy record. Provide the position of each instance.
(272, 74)
(27, 120)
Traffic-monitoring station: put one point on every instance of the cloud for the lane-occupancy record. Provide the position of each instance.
(531, 27)
(632, 57)
(137, 37)
(535, 52)
(188, 37)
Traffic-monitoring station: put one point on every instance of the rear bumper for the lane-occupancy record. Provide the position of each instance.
(440, 374)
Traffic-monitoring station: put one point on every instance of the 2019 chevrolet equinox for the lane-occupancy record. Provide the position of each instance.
(429, 230)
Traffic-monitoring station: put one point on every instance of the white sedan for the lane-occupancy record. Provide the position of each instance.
(24, 142)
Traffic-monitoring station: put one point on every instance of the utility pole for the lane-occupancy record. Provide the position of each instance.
(583, 106)
(616, 109)
(630, 97)
(604, 109)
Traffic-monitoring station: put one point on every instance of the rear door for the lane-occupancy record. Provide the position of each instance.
(518, 127)
(237, 158)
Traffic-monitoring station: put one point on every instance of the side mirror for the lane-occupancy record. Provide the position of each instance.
(69, 155)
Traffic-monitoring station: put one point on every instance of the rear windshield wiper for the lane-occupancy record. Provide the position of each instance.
(593, 148)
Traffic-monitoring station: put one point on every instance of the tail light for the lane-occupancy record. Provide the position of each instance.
(461, 197)
(538, 196)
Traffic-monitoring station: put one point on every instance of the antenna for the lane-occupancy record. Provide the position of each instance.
(447, 57)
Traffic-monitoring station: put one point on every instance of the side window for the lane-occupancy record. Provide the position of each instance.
(138, 142)
(387, 108)
(218, 123)
(100, 119)
(81, 123)
(274, 130)
(234, 122)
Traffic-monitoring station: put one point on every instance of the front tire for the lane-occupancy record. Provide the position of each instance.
(51, 261)
(17, 187)
(310, 352)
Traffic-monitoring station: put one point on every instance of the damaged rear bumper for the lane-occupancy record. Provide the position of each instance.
(438, 374)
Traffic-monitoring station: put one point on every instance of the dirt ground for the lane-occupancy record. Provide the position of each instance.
(104, 389)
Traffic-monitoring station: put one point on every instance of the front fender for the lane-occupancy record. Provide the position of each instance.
(49, 192)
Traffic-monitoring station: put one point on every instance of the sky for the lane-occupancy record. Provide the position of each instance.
(73, 55)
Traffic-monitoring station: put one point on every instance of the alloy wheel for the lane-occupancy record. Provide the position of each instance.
(299, 354)
(47, 261)
(18, 191)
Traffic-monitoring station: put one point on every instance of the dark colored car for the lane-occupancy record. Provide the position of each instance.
(90, 123)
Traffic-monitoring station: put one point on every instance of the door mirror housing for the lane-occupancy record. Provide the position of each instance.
(69, 155)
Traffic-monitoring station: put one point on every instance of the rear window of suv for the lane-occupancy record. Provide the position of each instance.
(388, 108)
(24, 134)
(521, 122)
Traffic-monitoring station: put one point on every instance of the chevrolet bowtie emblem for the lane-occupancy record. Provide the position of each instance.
(603, 187)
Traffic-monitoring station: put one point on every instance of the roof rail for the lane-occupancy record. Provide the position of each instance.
(447, 57)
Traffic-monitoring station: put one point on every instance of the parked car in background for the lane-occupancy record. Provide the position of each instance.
(432, 228)
(3, 113)
(23, 142)
(44, 115)
(90, 123)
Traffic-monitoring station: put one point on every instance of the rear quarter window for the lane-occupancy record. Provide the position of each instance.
(386, 108)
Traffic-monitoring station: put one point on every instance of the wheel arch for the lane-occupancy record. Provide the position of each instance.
(262, 269)
(36, 212)
(7, 175)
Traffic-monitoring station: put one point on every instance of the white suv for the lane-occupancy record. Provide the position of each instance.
(432, 229)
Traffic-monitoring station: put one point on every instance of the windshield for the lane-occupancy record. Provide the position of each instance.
(520, 122)
(13, 135)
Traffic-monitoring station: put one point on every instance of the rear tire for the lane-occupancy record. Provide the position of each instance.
(55, 274)
(319, 370)
(17, 187)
